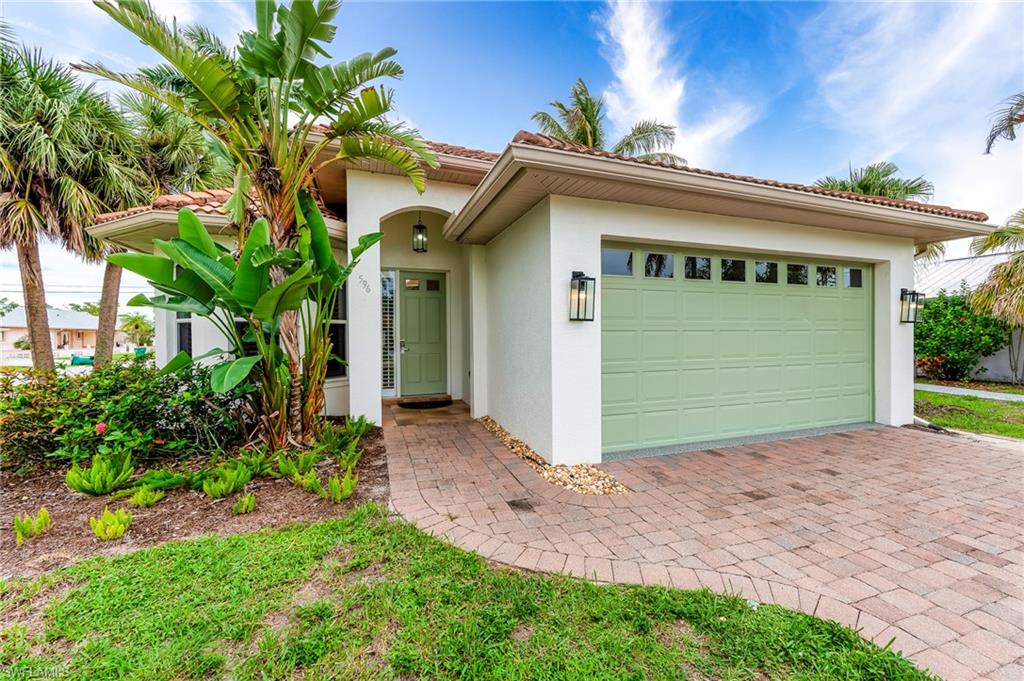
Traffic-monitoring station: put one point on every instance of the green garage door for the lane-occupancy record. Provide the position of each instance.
(698, 345)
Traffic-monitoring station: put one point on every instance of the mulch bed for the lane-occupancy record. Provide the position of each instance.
(183, 513)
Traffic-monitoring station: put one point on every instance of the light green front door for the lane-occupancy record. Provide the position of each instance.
(422, 346)
(699, 345)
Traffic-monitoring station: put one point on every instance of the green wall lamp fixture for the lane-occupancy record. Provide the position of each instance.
(911, 304)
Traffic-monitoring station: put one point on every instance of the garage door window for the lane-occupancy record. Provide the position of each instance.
(853, 277)
(734, 270)
(766, 272)
(659, 265)
(826, 276)
(697, 267)
(796, 274)
(616, 263)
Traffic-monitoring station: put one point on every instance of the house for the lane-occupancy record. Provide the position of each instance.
(949, 275)
(71, 332)
(724, 307)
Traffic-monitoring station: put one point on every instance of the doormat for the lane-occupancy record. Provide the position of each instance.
(426, 404)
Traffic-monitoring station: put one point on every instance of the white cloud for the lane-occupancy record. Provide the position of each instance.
(650, 85)
(915, 83)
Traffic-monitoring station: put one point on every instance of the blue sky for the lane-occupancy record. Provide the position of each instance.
(790, 91)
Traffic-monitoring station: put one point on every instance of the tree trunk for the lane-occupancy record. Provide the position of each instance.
(108, 314)
(35, 305)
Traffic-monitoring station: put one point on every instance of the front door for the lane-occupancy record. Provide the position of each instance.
(422, 334)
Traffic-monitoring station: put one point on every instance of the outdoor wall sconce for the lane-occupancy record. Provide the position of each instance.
(582, 291)
(911, 303)
(419, 236)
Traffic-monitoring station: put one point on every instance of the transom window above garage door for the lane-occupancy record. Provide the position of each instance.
(687, 267)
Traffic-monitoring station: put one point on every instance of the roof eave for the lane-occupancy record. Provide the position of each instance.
(519, 157)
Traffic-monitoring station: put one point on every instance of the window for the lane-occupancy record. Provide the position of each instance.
(766, 272)
(616, 262)
(734, 270)
(336, 365)
(412, 284)
(658, 265)
(183, 329)
(796, 274)
(826, 276)
(697, 267)
(853, 277)
(433, 284)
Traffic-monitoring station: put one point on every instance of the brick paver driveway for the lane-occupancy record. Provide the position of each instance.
(900, 533)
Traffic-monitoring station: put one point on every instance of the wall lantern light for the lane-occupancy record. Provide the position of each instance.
(419, 236)
(582, 294)
(911, 304)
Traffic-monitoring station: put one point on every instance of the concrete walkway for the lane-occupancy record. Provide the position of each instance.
(986, 394)
(899, 533)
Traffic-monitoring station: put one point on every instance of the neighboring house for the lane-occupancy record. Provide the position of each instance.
(70, 332)
(726, 306)
(949, 275)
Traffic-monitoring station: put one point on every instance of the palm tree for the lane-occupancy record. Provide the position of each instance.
(582, 121)
(138, 328)
(176, 156)
(262, 100)
(1002, 294)
(62, 162)
(882, 179)
(1006, 120)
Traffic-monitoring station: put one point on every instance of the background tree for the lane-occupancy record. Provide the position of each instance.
(1006, 120)
(7, 306)
(62, 162)
(90, 307)
(138, 328)
(883, 179)
(176, 156)
(262, 101)
(582, 121)
(1002, 294)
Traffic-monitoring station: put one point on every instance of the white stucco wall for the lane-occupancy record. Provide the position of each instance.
(519, 371)
(997, 367)
(372, 198)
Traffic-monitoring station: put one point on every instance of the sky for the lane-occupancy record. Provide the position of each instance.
(788, 91)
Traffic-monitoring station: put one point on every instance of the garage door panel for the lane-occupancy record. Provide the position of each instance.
(691, 360)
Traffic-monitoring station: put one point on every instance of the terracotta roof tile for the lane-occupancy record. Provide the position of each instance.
(538, 140)
(442, 148)
(210, 202)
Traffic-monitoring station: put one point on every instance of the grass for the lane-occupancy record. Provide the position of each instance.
(370, 597)
(974, 414)
(991, 386)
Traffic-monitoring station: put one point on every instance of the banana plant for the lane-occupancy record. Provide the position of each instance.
(283, 111)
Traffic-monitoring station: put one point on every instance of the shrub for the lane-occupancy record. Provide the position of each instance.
(108, 473)
(146, 496)
(308, 481)
(245, 504)
(111, 525)
(128, 403)
(226, 479)
(339, 490)
(358, 427)
(950, 338)
(29, 526)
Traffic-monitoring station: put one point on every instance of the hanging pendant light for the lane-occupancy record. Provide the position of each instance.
(419, 235)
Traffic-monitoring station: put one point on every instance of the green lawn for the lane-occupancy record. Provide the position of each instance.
(973, 414)
(367, 597)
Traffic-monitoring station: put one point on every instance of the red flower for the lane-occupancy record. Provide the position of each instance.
(101, 428)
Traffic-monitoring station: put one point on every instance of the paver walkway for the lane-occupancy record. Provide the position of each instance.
(953, 390)
(900, 533)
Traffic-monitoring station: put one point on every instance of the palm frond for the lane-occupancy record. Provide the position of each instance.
(880, 179)
(549, 125)
(1009, 237)
(646, 137)
(930, 252)
(1005, 121)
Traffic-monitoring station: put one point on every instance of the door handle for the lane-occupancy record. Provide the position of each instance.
(402, 347)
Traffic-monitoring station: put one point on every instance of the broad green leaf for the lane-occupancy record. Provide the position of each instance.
(194, 232)
(238, 203)
(288, 295)
(251, 280)
(177, 363)
(172, 303)
(265, 10)
(154, 267)
(227, 375)
(320, 240)
(218, 277)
